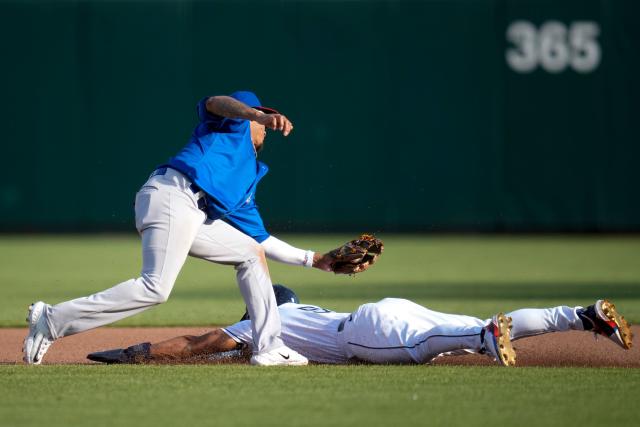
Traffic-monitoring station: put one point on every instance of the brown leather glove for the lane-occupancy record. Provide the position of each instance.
(357, 255)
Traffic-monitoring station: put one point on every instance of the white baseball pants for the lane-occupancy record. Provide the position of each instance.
(400, 331)
(171, 227)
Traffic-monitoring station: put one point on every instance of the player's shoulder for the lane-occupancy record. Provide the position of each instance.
(291, 306)
(395, 301)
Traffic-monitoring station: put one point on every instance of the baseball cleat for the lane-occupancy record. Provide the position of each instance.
(496, 340)
(282, 356)
(603, 318)
(39, 338)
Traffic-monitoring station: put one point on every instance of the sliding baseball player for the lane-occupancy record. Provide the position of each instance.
(389, 331)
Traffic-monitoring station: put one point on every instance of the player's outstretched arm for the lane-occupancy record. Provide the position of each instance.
(186, 346)
(280, 251)
(353, 257)
(174, 349)
(226, 106)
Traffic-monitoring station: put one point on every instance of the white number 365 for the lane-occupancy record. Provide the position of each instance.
(553, 47)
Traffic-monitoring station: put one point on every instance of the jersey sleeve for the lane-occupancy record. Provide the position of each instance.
(205, 116)
(210, 122)
(240, 332)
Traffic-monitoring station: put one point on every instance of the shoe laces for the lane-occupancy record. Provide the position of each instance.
(44, 346)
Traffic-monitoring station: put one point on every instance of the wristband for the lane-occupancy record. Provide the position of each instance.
(308, 259)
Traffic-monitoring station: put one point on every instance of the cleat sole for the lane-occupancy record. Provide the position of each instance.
(507, 352)
(624, 329)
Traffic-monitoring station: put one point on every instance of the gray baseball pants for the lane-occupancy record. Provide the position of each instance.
(172, 227)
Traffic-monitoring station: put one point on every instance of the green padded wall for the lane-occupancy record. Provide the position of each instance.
(409, 115)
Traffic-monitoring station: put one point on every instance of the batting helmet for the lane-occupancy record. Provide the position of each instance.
(283, 296)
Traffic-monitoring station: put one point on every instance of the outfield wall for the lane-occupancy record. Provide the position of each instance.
(485, 115)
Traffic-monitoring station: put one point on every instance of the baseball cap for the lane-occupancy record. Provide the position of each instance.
(285, 295)
(251, 99)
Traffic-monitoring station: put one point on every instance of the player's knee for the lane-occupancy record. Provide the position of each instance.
(254, 254)
(162, 297)
(157, 290)
(259, 253)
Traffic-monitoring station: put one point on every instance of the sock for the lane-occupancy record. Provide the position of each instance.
(583, 315)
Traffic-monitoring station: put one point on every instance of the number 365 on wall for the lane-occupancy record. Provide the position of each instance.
(553, 46)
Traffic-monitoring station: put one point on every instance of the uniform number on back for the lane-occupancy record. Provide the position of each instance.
(314, 309)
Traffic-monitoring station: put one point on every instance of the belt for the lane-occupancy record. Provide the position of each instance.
(200, 195)
(343, 321)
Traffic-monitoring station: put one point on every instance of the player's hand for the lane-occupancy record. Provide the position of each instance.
(323, 262)
(353, 257)
(277, 122)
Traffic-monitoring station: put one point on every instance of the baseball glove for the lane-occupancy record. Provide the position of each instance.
(357, 255)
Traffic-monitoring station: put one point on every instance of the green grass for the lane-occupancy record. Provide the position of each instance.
(471, 275)
(315, 396)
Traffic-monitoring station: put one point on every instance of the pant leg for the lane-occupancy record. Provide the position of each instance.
(536, 321)
(168, 220)
(400, 331)
(219, 242)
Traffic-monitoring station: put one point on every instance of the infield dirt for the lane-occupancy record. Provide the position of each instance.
(557, 349)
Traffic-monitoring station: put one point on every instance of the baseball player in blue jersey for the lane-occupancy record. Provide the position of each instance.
(202, 203)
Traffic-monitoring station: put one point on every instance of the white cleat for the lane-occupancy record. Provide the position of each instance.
(39, 338)
(282, 356)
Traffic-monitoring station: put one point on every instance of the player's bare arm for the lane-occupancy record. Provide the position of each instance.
(225, 106)
(176, 349)
(187, 346)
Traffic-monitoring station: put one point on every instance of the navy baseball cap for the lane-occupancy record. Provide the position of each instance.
(251, 99)
(283, 296)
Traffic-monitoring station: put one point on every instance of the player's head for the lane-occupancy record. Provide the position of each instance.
(258, 134)
(283, 296)
(251, 99)
(258, 131)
